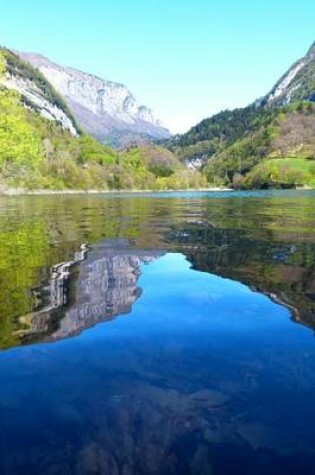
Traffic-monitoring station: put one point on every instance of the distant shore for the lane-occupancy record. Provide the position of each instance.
(25, 192)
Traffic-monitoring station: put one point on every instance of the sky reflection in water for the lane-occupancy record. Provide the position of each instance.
(203, 376)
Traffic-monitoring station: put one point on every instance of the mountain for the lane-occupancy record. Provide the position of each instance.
(228, 146)
(216, 133)
(266, 144)
(106, 110)
(42, 146)
(298, 83)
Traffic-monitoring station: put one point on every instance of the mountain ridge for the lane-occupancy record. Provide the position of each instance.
(113, 111)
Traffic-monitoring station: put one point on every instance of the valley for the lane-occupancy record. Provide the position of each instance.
(63, 129)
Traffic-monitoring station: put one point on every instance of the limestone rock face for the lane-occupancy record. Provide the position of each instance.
(35, 97)
(105, 109)
(298, 83)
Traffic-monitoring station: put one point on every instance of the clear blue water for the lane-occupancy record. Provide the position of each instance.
(202, 361)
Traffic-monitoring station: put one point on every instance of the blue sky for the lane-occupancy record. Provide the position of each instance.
(185, 59)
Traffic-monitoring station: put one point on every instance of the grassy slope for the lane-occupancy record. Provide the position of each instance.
(282, 172)
(295, 163)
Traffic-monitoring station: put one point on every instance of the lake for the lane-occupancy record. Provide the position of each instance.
(166, 333)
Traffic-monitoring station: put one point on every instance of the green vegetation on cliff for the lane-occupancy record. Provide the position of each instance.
(15, 66)
(20, 142)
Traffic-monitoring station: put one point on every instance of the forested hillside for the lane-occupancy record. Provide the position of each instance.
(218, 132)
(231, 145)
(267, 144)
(279, 153)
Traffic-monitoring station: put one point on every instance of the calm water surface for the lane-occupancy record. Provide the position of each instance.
(159, 334)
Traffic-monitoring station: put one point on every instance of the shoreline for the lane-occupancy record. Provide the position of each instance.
(41, 192)
(7, 192)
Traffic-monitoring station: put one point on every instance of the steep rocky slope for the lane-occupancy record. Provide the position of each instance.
(36, 92)
(106, 110)
(298, 83)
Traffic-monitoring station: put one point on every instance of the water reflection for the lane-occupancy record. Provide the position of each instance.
(97, 285)
(205, 376)
(266, 240)
(285, 271)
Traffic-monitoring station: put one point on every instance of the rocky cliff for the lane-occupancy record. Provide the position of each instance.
(106, 110)
(298, 83)
(37, 93)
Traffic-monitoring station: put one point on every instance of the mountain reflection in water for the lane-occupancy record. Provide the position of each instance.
(95, 287)
(207, 375)
(204, 376)
(282, 270)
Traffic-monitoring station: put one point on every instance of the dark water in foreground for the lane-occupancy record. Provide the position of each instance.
(166, 334)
